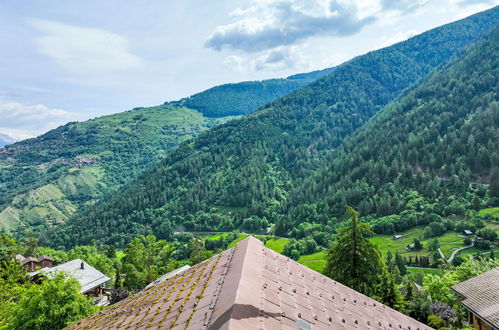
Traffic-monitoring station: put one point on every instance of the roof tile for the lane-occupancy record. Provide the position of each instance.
(249, 287)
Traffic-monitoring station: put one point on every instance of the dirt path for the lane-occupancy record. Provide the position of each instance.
(457, 251)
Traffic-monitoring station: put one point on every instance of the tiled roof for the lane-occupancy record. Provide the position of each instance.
(249, 287)
(89, 277)
(481, 296)
(168, 275)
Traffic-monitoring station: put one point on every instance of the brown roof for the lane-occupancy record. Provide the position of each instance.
(481, 296)
(249, 287)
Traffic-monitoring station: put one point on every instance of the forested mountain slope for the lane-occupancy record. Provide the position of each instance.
(243, 98)
(240, 173)
(44, 180)
(433, 152)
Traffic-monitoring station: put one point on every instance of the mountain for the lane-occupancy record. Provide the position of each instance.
(242, 174)
(430, 154)
(5, 139)
(243, 98)
(46, 179)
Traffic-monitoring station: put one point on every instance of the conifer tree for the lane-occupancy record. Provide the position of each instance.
(353, 260)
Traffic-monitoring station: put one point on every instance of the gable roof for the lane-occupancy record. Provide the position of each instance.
(249, 287)
(89, 277)
(481, 296)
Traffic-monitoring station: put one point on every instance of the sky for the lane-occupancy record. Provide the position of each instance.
(67, 61)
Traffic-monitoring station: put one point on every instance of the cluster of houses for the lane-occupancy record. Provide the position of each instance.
(91, 280)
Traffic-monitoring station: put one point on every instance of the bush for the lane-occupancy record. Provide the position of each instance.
(487, 234)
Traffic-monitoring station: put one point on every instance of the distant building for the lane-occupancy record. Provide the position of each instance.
(468, 232)
(411, 247)
(91, 280)
(32, 263)
(396, 237)
(480, 297)
(249, 287)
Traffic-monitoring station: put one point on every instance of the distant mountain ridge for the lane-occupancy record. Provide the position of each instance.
(46, 179)
(244, 173)
(5, 140)
(243, 98)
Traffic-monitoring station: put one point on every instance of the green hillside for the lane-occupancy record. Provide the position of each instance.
(80, 163)
(430, 154)
(243, 98)
(240, 174)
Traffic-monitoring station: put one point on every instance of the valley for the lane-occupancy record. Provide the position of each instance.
(45, 180)
(364, 195)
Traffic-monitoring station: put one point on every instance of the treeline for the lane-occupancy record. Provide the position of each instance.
(248, 167)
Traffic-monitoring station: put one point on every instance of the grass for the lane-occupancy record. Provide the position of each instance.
(473, 250)
(449, 242)
(234, 242)
(317, 265)
(213, 237)
(493, 211)
(386, 243)
(425, 270)
(321, 255)
(276, 244)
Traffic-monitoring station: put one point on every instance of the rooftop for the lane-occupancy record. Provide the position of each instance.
(481, 296)
(89, 277)
(249, 287)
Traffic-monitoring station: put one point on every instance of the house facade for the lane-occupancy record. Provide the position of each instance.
(33, 263)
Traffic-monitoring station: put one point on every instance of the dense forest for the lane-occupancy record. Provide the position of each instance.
(433, 153)
(243, 98)
(43, 181)
(267, 167)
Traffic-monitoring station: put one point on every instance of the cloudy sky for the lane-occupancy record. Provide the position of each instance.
(74, 60)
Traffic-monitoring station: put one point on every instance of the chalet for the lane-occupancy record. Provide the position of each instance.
(92, 281)
(396, 237)
(249, 287)
(468, 232)
(32, 263)
(411, 247)
(480, 298)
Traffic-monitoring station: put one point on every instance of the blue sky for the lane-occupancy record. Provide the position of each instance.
(74, 60)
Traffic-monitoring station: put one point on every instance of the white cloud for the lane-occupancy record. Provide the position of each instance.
(269, 24)
(273, 60)
(22, 121)
(84, 50)
(403, 5)
(395, 38)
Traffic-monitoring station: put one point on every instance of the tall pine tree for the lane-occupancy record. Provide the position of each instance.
(353, 260)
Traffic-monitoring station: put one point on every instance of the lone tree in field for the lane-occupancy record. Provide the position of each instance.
(353, 260)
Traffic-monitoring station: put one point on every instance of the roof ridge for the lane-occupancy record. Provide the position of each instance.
(232, 298)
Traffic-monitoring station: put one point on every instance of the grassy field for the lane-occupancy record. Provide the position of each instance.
(315, 261)
(276, 244)
(493, 211)
(213, 237)
(449, 242)
(425, 271)
(234, 242)
(386, 243)
(317, 265)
